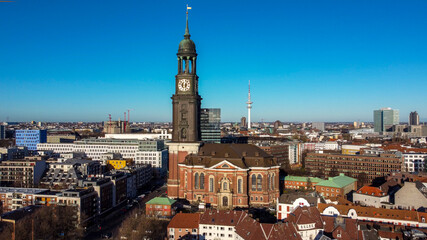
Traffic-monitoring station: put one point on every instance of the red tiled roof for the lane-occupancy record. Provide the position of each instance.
(221, 217)
(346, 227)
(372, 191)
(185, 220)
(392, 214)
(390, 235)
(404, 149)
(247, 227)
(306, 215)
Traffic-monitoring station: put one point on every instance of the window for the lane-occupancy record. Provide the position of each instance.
(239, 186)
(259, 182)
(224, 186)
(253, 182)
(211, 185)
(196, 181)
(272, 182)
(202, 181)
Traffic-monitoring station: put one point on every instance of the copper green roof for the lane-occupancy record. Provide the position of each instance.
(302, 179)
(337, 182)
(161, 201)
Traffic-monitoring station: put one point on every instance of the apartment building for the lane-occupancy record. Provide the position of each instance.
(336, 186)
(21, 173)
(353, 165)
(85, 201)
(184, 226)
(288, 202)
(162, 207)
(377, 215)
(298, 182)
(148, 151)
(15, 198)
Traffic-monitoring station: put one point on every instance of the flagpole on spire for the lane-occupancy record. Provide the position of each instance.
(187, 32)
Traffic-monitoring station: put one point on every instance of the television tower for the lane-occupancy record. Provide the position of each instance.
(249, 106)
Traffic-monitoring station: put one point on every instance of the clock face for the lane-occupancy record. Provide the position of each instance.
(184, 84)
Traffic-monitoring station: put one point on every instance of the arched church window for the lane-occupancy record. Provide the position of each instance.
(211, 184)
(224, 186)
(202, 181)
(259, 182)
(253, 182)
(240, 186)
(272, 182)
(196, 181)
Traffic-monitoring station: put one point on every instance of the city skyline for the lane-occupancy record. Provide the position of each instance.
(95, 60)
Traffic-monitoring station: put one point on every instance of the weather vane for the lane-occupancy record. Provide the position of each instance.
(188, 8)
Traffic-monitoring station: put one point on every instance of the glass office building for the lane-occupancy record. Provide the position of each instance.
(30, 138)
(210, 120)
(384, 118)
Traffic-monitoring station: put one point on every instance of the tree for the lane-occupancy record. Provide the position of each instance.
(138, 226)
(50, 222)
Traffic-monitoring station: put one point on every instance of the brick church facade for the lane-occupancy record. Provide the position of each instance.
(223, 175)
(229, 175)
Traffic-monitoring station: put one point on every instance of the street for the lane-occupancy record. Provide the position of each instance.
(112, 222)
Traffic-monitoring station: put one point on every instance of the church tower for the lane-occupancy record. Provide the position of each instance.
(186, 112)
(186, 100)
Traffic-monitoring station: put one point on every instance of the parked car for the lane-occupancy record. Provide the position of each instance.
(107, 235)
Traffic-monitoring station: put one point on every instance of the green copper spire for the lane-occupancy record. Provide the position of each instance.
(187, 32)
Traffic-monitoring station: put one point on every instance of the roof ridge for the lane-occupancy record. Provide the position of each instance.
(263, 232)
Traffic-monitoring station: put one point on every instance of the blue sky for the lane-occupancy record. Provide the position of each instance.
(75, 60)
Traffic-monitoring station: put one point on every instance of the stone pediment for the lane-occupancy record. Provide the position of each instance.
(226, 165)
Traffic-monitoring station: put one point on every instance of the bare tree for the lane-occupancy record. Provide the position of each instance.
(138, 226)
(52, 222)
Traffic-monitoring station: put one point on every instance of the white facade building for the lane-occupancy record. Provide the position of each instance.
(295, 153)
(157, 159)
(414, 162)
(141, 151)
(370, 196)
(213, 232)
(56, 147)
(162, 134)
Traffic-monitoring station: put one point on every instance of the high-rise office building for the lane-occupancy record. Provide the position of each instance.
(414, 118)
(385, 117)
(318, 125)
(30, 138)
(210, 119)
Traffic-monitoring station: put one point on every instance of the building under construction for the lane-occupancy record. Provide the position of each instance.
(119, 126)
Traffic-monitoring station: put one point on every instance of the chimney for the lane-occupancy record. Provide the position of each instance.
(256, 154)
(213, 153)
(244, 154)
(226, 154)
